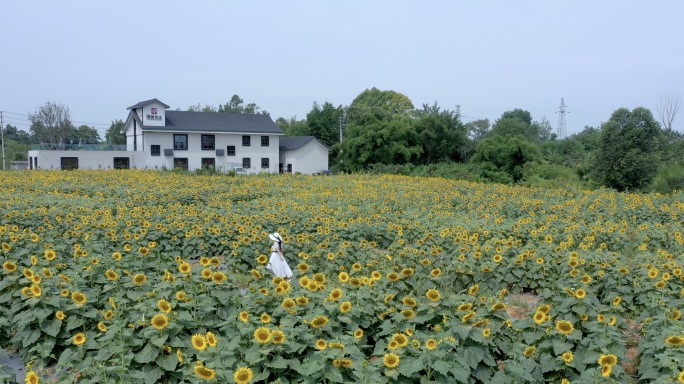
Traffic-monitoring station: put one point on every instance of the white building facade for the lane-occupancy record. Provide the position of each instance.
(159, 138)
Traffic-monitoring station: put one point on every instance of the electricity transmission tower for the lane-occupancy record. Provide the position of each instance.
(561, 119)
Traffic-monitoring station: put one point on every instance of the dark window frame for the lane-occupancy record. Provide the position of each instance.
(265, 140)
(122, 163)
(265, 162)
(246, 162)
(177, 160)
(180, 145)
(246, 141)
(208, 162)
(68, 163)
(155, 150)
(208, 142)
(230, 150)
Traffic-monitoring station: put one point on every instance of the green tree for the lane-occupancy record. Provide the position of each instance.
(324, 123)
(12, 133)
(372, 138)
(15, 151)
(388, 104)
(517, 122)
(115, 134)
(236, 105)
(627, 155)
(86, 135)
(441, 133)
(502, 158)
(51, 123)
(199, 108)
(293, 127)
(477, 129)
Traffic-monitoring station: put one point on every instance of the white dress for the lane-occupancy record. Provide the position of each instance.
(278, 265)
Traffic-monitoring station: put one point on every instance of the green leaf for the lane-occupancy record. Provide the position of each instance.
(152, 374)
(30, 337)
(167, 362)
(308, 368)
(159, 340)
(559, 347)
(278, 363)
(409, 366)
(74, 322)
(51, 327)
(473, 355)
(147, 354)
(442, 367)
(333, 374)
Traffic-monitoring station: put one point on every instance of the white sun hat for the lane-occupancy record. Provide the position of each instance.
(276, 237)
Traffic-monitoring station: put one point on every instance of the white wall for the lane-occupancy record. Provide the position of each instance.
(310, 158)
(194, 153)
(49, 159)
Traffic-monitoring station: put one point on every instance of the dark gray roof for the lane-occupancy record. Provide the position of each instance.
(294, 142)
(185, 121)
(144, 103)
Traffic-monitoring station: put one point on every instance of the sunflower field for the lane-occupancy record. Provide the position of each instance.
(141, 276)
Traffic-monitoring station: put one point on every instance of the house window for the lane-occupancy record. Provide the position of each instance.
(35, 164)
(208, 162)
(264, 141)
(230, 150)
(289, 168)
(123, 162)
(208, 142)
(180, 163)
(180, 141)
(246, 140)
(69, 162)
(155, 150)
(264, 162)
(246, 162)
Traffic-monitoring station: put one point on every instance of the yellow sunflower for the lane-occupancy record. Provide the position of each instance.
(568, 357)
(265, 318)
(79, 338)
(164, 306)
(159, 321)
(219, 277)
(199, 342)
(319, 322)
(262, 335)
(565, 327)
(335, 294)
(32, 377)
(212, 340)
(607, 360)
(358, 333)
(345, 307)
(433, 295)
(408, 314)
(203, 372)
(244, 316)
(139, 279)
(400, 339)
(278, 337)
(580, 293)
(102, 327)
(321, 344)
(529, 351)
(9, 266)
(674, 341)
(78, 298)
(393, 276)
(431, 344)
(60, 315)
(391, 360)
(409, 302)
(243, 375)
(473, 290)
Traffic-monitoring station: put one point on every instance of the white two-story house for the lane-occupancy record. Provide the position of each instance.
(160, 138)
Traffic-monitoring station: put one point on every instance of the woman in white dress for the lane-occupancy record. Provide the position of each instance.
(277, 264)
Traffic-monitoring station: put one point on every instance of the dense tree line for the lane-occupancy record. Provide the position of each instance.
(383, 130)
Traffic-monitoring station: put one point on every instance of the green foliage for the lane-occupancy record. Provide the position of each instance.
(670, 177)
(86, 135)
(114, 134)
(236, 105)
(324, 123)
(626, 158)
(502, 157)
(442, 135)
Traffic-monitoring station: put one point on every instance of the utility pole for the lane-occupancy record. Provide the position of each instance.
(458, 111)
(561, 119)
(2, 137)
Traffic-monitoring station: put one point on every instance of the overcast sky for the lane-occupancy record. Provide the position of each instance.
(100, 57)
